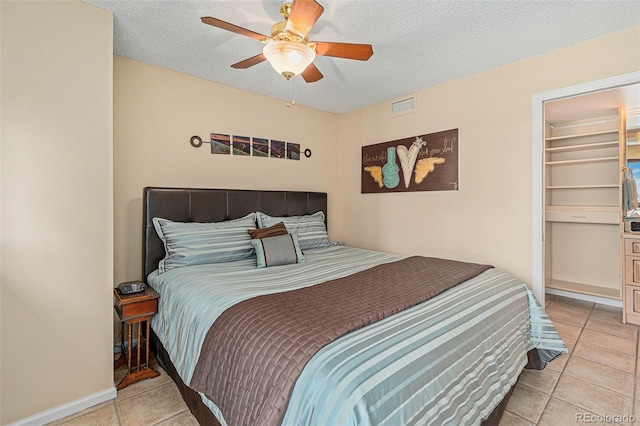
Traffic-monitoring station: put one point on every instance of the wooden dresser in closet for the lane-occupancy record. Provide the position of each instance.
(632, 278)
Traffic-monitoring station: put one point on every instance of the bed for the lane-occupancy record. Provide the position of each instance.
(448, 359)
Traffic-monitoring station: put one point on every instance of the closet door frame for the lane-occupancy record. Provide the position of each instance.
(537, 170)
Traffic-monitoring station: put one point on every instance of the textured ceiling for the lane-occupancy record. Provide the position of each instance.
(416, 43)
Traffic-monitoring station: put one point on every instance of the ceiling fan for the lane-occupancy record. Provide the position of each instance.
(288, 49)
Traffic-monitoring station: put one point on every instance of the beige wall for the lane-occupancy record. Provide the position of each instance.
(489, 218)
(57, 206)
(156, 111)
(57, 203)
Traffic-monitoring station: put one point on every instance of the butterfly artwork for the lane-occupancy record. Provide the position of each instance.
(376, 174)
(426, 166)
(421, 163)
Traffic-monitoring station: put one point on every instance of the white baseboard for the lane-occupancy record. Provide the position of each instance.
(585, 297)
(65, 410)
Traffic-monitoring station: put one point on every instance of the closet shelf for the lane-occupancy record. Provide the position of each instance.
(581, 214)
(582, 160)
(581, 135)
(584, 209)
(581, 186)
(610, 293)
(612, 144)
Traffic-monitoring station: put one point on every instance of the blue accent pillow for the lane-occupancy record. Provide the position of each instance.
(193, 243)
(280, 250)
(311, 230)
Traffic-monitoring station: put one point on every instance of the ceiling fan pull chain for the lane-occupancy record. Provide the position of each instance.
(291, 92)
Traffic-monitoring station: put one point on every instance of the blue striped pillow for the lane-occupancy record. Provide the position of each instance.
(193, 243)
(278, 250)
(311, 230)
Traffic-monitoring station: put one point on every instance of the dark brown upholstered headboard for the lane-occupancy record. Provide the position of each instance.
(215, 205)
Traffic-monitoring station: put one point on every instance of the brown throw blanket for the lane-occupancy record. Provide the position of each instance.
(255, 351)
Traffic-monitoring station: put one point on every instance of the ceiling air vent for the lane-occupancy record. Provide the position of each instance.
(404, 105)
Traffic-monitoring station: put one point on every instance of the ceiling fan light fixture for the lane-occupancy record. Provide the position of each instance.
(288, 58)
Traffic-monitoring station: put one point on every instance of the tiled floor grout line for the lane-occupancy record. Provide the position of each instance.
(169, 418)
(115, 406)
(520, 417)
(139, 393)
(569, 355)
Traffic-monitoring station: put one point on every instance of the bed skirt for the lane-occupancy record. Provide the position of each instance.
(204, 416)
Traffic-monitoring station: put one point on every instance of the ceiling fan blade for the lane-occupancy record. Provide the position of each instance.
(311, 74)
(361, 52)
(303, 14)
(215, 22)
(249, 62)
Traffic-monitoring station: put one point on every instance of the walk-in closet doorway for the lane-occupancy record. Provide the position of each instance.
(594, 202)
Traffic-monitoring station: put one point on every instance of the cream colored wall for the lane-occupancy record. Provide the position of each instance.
(489, 218)
(57, 206)
(156, 111)
(56, 177)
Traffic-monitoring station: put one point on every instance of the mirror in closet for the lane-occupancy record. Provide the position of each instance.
(631, 172)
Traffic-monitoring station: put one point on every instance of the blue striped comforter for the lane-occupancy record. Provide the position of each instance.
(450, 360)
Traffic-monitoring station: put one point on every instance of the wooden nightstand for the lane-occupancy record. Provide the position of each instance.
(135, 309)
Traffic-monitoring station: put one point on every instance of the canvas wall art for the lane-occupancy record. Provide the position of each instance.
(420, 163)
(241, 145)
(250, 146)
(278, 149)
(220, 144)
(293, 151)
(260, 147)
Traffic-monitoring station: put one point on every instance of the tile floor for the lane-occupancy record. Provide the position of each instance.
(149, 402)
(598, 377)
